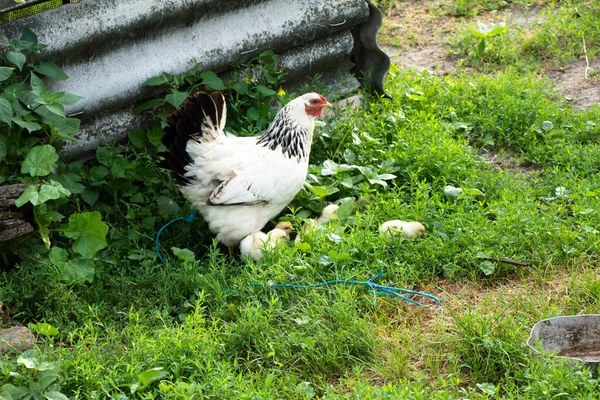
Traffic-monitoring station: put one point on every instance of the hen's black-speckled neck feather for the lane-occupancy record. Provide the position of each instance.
(284, 131)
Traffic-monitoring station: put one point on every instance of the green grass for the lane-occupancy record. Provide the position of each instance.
(199, 328)
(552, 43)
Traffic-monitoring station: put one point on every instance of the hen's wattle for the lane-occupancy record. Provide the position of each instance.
(239, 183)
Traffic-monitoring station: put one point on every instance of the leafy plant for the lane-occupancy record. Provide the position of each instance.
(248, 91)
(483, 32)
(36, 379)
(33, 128)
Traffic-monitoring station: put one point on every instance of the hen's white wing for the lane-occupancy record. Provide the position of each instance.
(236, 190)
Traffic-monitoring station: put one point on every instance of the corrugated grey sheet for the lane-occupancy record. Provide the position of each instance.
(109, 48)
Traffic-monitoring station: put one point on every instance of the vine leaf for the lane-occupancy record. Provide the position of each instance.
(40, 161)
(89, 233)
(51, 70)
(6, 112)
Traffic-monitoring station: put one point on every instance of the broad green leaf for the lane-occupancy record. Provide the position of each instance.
(176, 98)
(487, 267)
(487, 388)
(29, 125)
(157, 80)
(347, 182)
(303, 247)
(40, 194)
(167, 205)
(155, 134)
(329, 168)
(52, 190)
(547, 126)
(118, 167)
(40, 161)
(212, 81)
(90, 196)
(103, 155)
(11, 392)
(42, 328)
(484, 31)
(346, 208)
(241, 87)
(70, 182)
(58, 256)
(17, 58)
(152, 375)
(27, 362)
(5, 73)
(98, 173)
(137, 198)
(88, 231)
(14, 91)
(253, 113)
(52, 395)
(148, 105)
(452, 192)
(184, 254)
(56, 108)
(137, 137)
(51, 70)
(77, 271)
(66, 128)
(68, 99)
(472, 192)
(46, 378)
(338, 256)
(30, 194)
(386, 177)
(37, 85)
(265, 91)
(6, 111)
(28, 36)
(319, 191)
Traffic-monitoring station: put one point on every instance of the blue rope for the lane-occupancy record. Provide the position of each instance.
(376, 288)
(190, 220)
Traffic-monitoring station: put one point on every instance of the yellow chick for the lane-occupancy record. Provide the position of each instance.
(406, 229)
(327, 215)
(286, 227)
(253, 244)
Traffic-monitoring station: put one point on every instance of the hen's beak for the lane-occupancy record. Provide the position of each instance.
(326, 105)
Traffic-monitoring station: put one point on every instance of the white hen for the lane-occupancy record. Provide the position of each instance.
(239, 183)
(406, 229)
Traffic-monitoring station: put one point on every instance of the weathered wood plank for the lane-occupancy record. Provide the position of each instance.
(14, 222)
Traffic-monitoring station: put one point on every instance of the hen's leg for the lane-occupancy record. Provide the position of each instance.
(231, 252)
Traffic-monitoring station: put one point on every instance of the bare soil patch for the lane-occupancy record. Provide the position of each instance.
(571, 81)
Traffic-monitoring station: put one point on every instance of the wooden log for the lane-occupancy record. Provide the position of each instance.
(14, 222)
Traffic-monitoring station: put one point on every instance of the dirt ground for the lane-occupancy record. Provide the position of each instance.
(414, 35)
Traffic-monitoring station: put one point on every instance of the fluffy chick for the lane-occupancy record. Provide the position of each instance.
(286, 227)
(406, 229)
(253, 244)
(327, 215)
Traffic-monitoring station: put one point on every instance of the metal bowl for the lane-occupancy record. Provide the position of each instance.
(574, 338)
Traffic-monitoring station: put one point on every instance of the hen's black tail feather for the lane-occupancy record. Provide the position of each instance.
(197, 112)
